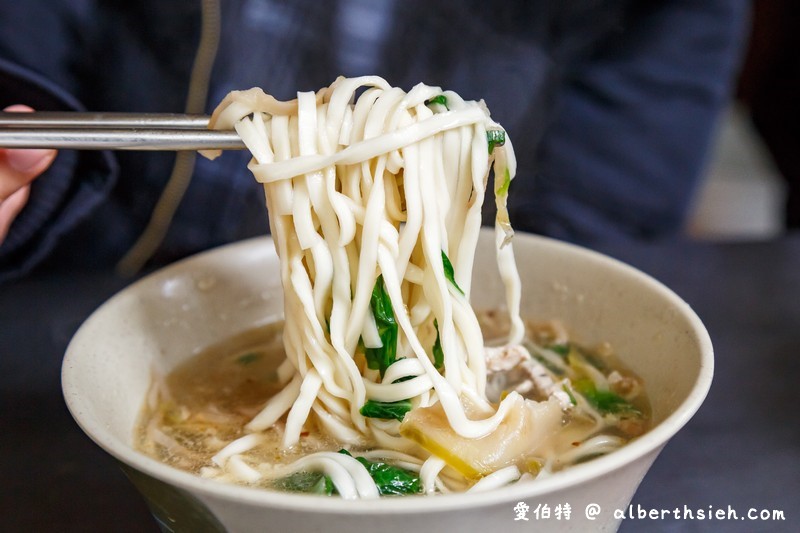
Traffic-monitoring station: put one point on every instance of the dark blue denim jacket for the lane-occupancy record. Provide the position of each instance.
(610, 103)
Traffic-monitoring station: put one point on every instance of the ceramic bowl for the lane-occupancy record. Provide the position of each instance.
(166, 317)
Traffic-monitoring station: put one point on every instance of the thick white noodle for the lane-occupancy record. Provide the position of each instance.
(241, 470)
(429, 472)
(276, 406)
(496, 479)
(365, 180)
(351, 478)
(236, 447)
(598, 445)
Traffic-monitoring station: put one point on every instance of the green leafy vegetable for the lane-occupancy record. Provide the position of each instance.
(246, 359)
(308, 482)
(495, 138)
(503, 189)
(560, 349)
(439, 99)
(605, 401)
(396, 410)
(438, 354)
(449, 273)
(390, 480)
(381, 358)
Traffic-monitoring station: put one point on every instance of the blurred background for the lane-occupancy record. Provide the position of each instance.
(756, 156)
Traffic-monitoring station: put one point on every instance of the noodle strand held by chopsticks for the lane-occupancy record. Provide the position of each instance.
(372, 190)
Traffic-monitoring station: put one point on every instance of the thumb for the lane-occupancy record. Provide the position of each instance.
(30, 161)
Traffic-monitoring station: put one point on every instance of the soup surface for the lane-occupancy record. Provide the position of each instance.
(204, 404)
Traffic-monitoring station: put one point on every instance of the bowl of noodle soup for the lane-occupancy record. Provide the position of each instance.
(381, 348)
(162, 320)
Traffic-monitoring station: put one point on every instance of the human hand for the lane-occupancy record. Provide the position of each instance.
(18, 168)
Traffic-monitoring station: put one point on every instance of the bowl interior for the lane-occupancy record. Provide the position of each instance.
(653, 331)
(169, 316)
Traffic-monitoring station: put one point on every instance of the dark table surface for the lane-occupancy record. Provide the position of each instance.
(742, 449)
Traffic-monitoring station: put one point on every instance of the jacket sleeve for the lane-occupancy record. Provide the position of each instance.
(633, 124)
(35, 74)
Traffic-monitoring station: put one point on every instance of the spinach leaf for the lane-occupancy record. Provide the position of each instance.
(390, 480)
(396, 410)
(605, 401)
(438, 354)
(495, 138)
(381, 305)
(449, 273)
(308, 482)
(439, 99)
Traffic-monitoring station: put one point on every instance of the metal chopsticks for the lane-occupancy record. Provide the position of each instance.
(113, 131)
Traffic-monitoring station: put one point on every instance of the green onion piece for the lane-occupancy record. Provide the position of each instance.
(381, 358)
(495, 138)
(387, 410)
(438, 354)
(605, 401)
(439, 99)
(449, 273)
